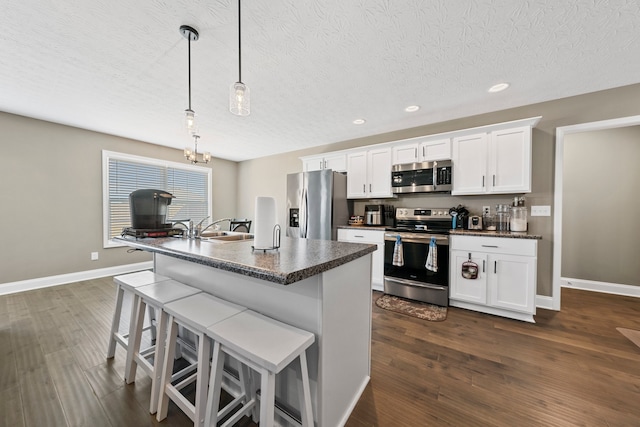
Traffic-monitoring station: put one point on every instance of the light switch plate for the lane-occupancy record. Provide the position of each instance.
(94, 256)
(541, 210)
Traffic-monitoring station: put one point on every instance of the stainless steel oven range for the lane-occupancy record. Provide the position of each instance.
(412, 280)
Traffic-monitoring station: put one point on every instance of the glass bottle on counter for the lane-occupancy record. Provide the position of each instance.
(502, 217)
(518, 218)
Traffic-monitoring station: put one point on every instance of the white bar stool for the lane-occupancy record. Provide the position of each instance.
(267, 346)
(156, 296)
(194, 313)
(127, 283)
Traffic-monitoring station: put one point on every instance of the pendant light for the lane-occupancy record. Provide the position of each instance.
(239, 99)
(192, 155)
(190, 116)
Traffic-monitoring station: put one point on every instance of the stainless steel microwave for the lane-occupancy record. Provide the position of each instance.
(424, 177)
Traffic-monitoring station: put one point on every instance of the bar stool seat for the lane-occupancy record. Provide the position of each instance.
(126, 283)
(194, 313)
(156, 296)
(267, 346)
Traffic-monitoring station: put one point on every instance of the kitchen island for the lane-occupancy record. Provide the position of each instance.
(320, 286)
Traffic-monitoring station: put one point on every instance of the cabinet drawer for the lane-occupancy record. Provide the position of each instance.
(497, 245)
(364, 236)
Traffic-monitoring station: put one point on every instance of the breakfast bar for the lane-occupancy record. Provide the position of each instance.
(320, 286)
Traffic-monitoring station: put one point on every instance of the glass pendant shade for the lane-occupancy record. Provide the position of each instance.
(239, 99)
(190, 120)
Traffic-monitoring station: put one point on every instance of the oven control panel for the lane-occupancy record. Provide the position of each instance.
(422, 213)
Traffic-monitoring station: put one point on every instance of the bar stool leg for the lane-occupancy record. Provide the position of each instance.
(202, 378)
(167, 370)
(158, 361)
(267, 402)
(306, 411)
(135, 336)
(115, 323)
(215, 386)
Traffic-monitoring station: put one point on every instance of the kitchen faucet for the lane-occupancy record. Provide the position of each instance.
(199, 231)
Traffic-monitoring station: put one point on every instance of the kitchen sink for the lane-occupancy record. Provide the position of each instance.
(227, 237)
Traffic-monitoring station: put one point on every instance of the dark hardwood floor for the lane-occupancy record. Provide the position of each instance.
(570, 368)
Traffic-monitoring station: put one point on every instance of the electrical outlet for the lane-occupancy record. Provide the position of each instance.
(541, 210)
(94, 256)
(486, 210)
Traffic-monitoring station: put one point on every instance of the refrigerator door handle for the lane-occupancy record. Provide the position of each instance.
(304, 205)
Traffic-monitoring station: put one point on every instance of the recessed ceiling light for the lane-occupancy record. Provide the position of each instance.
(412, 108)
(359, 121)
(498, 87)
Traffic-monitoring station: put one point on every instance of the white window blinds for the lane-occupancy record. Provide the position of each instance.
(123, 174)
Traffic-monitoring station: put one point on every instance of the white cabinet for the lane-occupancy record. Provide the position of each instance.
(506, 281)
(497, 162)
(375, 237)
(334, 161)
(369, 173)
(425, 151)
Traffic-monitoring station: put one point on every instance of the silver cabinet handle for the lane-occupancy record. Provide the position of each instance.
(423, 151)
(364, 188)
(495, 266)
(494, 180)
(489, 246)
(483, 262)
(416, 155)
(369, 188)
(325, 164)
(482, 181)
(362, 237)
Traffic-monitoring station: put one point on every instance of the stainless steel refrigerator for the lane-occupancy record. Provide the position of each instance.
(316, 204)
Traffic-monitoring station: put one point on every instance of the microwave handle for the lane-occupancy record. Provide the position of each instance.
(435, 175)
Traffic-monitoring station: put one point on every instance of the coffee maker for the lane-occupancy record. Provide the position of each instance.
(374, 215)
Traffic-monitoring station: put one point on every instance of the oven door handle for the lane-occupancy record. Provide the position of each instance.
(415, 284)
(425, 239)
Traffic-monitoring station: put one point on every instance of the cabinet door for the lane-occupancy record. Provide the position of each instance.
(313, 164)
(377, 258)
(407, 153)
(510, 161)
(512, 282)
(379, 172)
(470, 164)
(435, 150)
(469, 290)
(357, 174)
(336, 162)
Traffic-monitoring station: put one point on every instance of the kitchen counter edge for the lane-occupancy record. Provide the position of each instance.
(504, 234)
(363, 227)
(261, 268)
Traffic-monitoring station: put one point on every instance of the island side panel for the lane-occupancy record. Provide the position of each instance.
(346, 339)
(335, 305)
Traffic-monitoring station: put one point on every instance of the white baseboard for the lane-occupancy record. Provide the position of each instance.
(45, 282)
(543, 301)
(604, 287)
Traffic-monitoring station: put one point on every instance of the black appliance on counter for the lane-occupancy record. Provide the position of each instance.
(148, 209)
(413, 280)
(424, 177)
(459, 217)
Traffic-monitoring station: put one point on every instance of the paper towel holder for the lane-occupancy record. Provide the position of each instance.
(275, 241)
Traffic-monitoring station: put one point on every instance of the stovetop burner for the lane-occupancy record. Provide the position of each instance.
(422, 220)
(140, 233)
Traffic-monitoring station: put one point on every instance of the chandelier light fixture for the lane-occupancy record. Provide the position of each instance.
(192, 155)
(190, 116)
(239, 100)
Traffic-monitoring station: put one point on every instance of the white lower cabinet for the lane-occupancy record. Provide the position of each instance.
(506, 280)
(374, 237)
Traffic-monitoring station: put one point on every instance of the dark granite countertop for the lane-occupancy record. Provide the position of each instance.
(505, 234)
(295, 260)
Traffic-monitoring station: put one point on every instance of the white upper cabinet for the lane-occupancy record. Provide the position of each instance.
(493, 163)
(426, 151)
(334, 161)
(369, 173)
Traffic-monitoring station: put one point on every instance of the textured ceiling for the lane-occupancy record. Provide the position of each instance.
(313, 66)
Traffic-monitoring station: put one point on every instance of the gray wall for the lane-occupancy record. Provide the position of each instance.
(600, 232)
(51, 198)
(266, 176)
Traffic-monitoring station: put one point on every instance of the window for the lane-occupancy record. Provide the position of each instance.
(124, 173)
